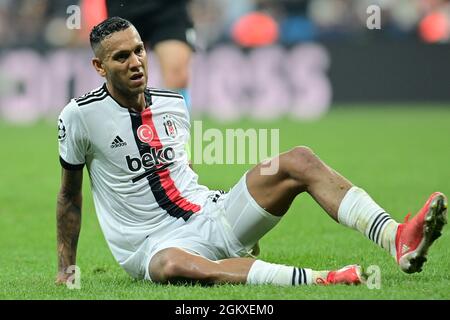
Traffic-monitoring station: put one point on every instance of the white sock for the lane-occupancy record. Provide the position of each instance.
(360, 212)
(270, 273)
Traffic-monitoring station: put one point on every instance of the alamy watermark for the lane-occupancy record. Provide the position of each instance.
(374, 19)
(74, 280)
(236, 146)
(373, 274)
(73, 21)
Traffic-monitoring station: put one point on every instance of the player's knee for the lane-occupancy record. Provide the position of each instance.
(301, 162)
(302, 153)
(164, 266)
(172, 269)
(169, 266)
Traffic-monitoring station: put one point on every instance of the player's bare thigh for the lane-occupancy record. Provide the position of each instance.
(177, 265)
(174, 57)
(273, 192)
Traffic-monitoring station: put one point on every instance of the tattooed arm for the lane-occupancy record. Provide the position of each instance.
(68, 221)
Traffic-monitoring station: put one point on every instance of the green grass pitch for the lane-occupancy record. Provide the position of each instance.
(400, 155)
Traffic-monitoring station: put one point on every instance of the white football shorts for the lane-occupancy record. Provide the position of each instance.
(228, 226)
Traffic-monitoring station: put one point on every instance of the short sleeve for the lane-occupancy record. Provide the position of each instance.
(72, 138)
(186, 124)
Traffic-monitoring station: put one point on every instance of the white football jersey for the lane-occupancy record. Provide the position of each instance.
(140, 177)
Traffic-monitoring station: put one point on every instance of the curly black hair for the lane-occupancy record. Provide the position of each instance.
(106, 28)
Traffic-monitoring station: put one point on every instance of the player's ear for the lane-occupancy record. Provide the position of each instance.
(97, 63)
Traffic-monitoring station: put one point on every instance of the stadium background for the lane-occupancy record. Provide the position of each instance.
(372, 103)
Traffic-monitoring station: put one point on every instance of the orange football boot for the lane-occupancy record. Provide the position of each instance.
(414, 237)
(351, 274)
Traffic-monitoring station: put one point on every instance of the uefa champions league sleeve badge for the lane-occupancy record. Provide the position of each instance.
(61, 130)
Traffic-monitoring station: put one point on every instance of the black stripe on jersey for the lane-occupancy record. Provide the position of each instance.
(100, 98)
(167, 95)
(148, 97)
(150, 171)
(293, 276)
(95, 93)
(154, 180)
(86, 95)
(155, 90)
(69, 166)
(96, 97)
(119, 139)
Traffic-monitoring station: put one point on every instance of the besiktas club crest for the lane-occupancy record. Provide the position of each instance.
(169, 126)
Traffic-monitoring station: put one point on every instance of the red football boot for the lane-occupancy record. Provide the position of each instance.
(414, 237)
(347, 275)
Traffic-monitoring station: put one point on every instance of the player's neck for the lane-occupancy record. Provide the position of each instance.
(135, 102)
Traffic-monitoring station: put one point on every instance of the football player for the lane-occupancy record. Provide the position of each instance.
(161, 224)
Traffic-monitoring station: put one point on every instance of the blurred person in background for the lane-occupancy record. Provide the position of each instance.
(168, 29)
(27, 21)
(41, 24)
(210, 19)
(294, 24)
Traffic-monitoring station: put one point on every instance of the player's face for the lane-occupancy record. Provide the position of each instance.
(125, 62)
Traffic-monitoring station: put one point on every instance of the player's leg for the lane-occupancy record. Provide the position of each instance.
(301, 170)
(174, 265)
(249, 221)
(174, 57)
(173, 42)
